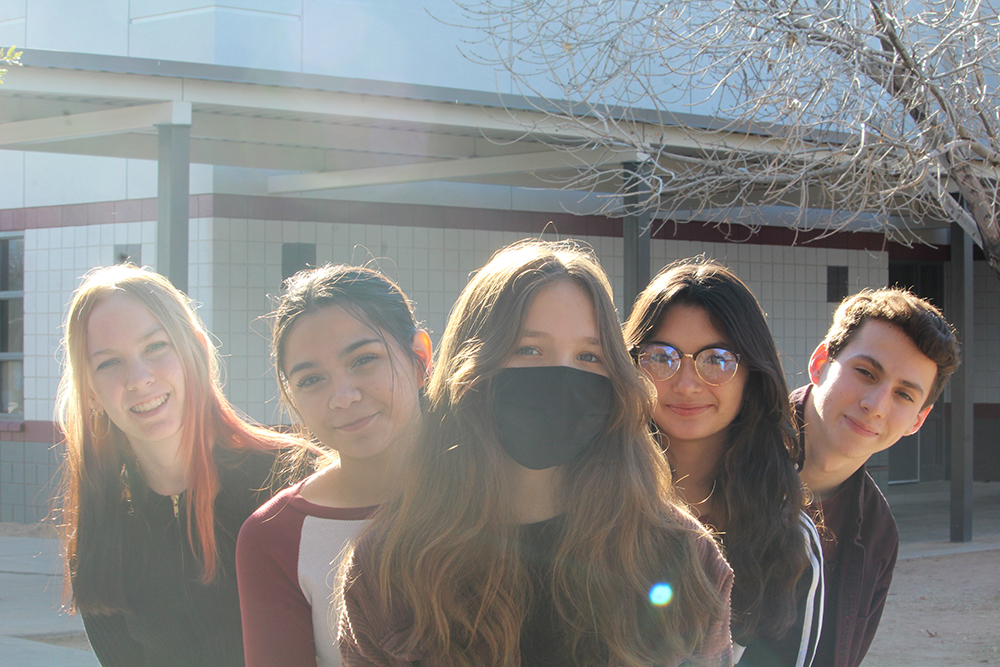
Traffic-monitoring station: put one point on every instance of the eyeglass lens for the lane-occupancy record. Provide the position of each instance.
(714, 365)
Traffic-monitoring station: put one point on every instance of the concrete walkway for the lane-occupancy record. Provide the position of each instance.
(922, 513)
(32, 628)
(34, 633)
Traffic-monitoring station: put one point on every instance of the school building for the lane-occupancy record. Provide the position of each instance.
(229, 143)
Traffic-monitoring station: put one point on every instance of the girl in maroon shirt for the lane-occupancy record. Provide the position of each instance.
(351, 362)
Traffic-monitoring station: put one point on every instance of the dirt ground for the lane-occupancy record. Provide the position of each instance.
(941, 611)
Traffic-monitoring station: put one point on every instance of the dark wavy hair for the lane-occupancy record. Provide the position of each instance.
(758, 489)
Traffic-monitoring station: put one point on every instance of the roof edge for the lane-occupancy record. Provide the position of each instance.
(95, 62)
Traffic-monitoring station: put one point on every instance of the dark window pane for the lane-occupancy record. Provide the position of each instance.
(12, 321)
(296, 257)
(11, 387)
(128, 252)
(12, 259)
(836, 283)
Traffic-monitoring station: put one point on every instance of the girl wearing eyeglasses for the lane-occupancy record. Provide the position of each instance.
(723, 420)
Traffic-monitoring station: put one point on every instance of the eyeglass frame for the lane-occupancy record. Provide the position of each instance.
(639, 350)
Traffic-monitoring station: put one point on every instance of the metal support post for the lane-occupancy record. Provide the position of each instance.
(636, 232)
(961, 387)
(173, 172)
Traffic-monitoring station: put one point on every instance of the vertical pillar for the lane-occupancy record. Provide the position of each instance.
(961, 387)
(636, 232)
(173, 170)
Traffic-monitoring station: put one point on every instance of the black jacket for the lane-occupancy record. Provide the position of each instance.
(858, 583)
(173, 619)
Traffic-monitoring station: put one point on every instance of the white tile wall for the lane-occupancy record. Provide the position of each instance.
(54, 262)
(432, 266)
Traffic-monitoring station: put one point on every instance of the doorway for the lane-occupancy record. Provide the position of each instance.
(923, 456)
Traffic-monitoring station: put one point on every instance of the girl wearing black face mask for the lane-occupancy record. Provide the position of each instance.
(536, 525)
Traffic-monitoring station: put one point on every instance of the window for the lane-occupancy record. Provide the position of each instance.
(836, 283)
(128, 252)
(11, 325)
(296, 257)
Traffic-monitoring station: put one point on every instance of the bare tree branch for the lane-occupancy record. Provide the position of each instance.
(875, 110)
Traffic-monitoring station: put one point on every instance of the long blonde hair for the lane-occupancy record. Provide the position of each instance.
(91, 507)
(448, 547)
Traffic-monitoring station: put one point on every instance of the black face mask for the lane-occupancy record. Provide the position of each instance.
(548, 415)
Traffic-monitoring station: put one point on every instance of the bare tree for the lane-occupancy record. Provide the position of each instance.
(884, 112)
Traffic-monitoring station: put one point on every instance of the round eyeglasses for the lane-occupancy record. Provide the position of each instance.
(714, 365)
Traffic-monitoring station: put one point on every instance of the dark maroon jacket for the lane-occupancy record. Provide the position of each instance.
(858, 582)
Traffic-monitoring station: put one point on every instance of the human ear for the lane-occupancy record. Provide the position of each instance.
(921, 417)
(423, 349)
(818, 363)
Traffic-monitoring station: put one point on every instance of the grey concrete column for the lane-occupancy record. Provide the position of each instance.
(173, 172)
(960, 314)
(636, 233)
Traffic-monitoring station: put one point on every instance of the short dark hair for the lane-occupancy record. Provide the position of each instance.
(920, 320)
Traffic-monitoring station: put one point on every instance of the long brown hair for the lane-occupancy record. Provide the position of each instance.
(759, 492)
(448, 547)
(92, 509)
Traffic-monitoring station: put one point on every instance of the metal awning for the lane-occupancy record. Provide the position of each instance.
(338, 132)
(327, 133)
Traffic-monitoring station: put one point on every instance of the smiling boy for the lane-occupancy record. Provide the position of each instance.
(875, 378)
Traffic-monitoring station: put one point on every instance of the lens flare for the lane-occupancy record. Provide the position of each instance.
(661, 594)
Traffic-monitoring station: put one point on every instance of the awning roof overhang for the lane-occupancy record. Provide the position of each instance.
(323, 133)
(340, 132)
(328, 132)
